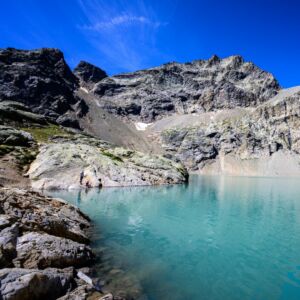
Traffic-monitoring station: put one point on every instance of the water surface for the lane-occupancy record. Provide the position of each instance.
(215, 238)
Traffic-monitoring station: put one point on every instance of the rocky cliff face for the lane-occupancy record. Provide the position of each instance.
(258, 141)
(42, 80)
(196, 87)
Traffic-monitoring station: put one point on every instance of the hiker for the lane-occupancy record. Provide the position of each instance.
(100, 183)
(81, 176)
(87, 184)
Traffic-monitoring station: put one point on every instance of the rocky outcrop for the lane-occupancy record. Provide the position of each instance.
(42, 242)
(38, 213)
(28, 284)
(35, 250)
(196, 87)
(17, 114)
(88, 73)
(14, 137)
(41, 80)
(100, 167)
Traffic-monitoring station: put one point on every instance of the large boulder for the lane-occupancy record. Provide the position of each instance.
(14, 137)
(40, 251)
(100, 167)
(35, 212)
(25, 284)
(8, 242)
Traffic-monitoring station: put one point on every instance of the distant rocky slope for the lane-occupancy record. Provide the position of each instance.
(196, 87)
(261, 141)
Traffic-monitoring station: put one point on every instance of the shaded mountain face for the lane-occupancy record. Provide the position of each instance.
(89, 73)
(42, 80)
(174, 88)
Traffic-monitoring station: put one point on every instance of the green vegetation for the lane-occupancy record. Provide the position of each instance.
(112, 156)
(4, 149)
(43, 134)
(25, 156)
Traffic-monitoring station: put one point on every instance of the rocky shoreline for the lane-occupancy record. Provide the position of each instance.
(44, 249)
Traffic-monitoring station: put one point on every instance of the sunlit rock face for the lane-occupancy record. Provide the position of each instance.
(100, 167)
(257, 141)
(196, 87)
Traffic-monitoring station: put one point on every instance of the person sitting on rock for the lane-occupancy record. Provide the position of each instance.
(87, 184)
(81, 176)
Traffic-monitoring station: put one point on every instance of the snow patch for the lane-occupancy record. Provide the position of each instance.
(84, 89)
(142, 126)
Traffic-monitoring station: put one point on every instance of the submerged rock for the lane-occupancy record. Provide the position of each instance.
(44, 239)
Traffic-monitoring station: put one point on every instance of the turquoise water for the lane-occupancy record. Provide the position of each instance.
(215, 238)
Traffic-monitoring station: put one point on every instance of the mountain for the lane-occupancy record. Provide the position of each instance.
(42, 80)
(63, 129)
(215, 116)
(196, 87)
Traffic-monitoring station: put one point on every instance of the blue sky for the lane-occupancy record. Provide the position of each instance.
(120, 36)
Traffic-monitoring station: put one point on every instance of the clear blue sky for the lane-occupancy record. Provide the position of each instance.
(119, 35)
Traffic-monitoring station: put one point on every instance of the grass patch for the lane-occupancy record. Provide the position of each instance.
(43, 134)
(112, 156)
(25, 156)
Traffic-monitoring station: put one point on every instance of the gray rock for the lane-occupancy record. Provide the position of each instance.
(39, 79)
(261, 141)
(8, 241)
(35, 250)
(35, 212)
(24, 284)
(17, 114)
(14, 137)
(196, 87)
(6, 221)
(110, 167)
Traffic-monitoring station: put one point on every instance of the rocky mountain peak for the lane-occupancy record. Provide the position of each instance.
(89, 73)
(196, 87)
(40, 79)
